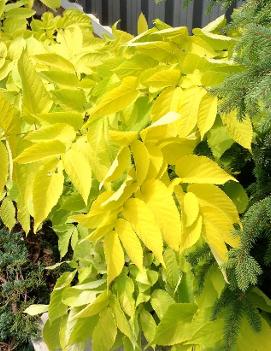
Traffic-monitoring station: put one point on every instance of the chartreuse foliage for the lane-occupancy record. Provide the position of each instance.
(98, 136)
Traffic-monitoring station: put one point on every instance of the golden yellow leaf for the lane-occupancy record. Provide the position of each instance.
(100, 154)
(7, 213)
(72, 118)
(58, 131)
(123, 138)
(24, 176)
(117, 99)
(142, 24)
(163, 78)
(130, 242)
(4, 161)
(201, 170)
(47, 188)
(165, 127)
(23, 215)
(141, 159)
(102, 231)
(8, 116)
(94, 307)
(212, 196)
(167, 101)
(118, 167)
(207, 113)
(116, 200)
(189, 111)
(41, 151)
(144, 223)
(218, 230)
(77, 167)
(174, 148)
(36, 99)
(114, 256)
(191, 235)
(160, 201)
(157, 164)
(191, 208)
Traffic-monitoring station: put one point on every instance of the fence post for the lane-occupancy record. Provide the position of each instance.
(197, 14)
(123, 14)
(105, 11)
(145, 8)
(169, 12)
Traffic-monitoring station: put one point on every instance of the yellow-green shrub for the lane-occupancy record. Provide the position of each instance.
(98, 136)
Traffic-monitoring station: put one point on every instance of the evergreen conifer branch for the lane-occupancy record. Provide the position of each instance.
(249, 91)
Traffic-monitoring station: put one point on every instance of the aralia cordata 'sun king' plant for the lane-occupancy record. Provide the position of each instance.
(102, 138)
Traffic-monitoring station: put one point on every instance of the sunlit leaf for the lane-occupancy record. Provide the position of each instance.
(47, 188)
(159, 199)
(41, 151)
(141, 159)
(142, 24)
(78, 168)
(130, 242)
(35, 97)
(103, 341)
(94, 307)
(207, 113)
(4, 161)
(114, 256)
(191, 208)
(52, 4)
(117, 99)
(33, 310)
(7, 213)
(144, 224)
(200, 170)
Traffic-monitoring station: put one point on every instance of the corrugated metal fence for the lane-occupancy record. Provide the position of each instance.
(173, 12)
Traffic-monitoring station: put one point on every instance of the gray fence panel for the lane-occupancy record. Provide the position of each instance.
(205, 16)
(156, 11)
(181, 12)
(189, 14)
(95, 7)
(173, 12)
(133, 11)
(214, 13)
(113, 11)
(176, 14)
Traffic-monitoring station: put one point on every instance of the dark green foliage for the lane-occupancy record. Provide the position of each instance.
(249, 91)
(248, 265)
(200, 254)
(253, 11)
(235, 305)
(262, 159)
(252, 260)
(249, 261)
(22, 283)
(201, 260)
